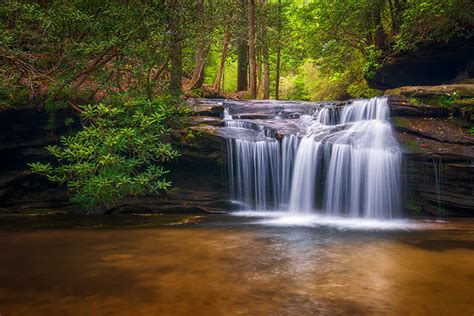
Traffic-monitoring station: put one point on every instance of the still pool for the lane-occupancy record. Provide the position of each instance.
(253, 264)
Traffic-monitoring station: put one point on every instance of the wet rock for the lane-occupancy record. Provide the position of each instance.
(203, 108)
(436, 129)
(205, 120)
(401, 106)
(439, 184)
(439, 155)
(465, 90)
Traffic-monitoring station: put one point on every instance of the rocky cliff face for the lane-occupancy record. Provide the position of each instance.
(434, 124)
(431, 124)
(23, 138)
(440, 63)
(197, 176)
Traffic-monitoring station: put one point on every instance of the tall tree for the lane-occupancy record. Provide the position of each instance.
(225, 46)
(203, 46)
(252, 55)
(176, 47)
(266, 74)
(242, 50)
(278, 51)
(265, 50)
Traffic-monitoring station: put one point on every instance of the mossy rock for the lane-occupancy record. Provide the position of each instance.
(459, 90)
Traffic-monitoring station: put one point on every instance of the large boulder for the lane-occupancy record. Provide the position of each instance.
(429, 65)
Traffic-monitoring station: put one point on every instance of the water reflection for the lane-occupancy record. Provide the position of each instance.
(236, 268)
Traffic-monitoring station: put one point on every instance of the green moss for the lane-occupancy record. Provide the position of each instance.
(465, 102)
(414, 207)
(399, 122)
(471, 131)
(415, 101)
(444, 100)
(411, 145)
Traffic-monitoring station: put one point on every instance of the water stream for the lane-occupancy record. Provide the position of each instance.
(344, 161)
(226, 265)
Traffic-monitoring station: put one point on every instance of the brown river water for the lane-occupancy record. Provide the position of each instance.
(227, 265)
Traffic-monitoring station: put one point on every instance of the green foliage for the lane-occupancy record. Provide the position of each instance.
(443, 100)
(51, 108)
(348, 38)
(471, 131)
(84, 50)
(317, 84)
(117, 153)
(434, 21)
(68, 122)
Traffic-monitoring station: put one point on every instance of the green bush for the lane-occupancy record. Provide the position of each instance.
(117, 153)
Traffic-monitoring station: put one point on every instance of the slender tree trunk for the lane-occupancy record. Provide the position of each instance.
(259, 78)
(380, 36)
(266, 74)
(198, 74)
(252, 58)
(102, 60)
(220, 71)
(398, 7)
(161, 69)
(278, 54)
(242, 52)
(175, 50)
(202, 50)
(392, 17)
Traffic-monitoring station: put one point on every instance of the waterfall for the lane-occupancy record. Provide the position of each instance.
(345, 161)
(255, 167)
(437, 166)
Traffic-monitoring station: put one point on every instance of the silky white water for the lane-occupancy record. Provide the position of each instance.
(344, 162)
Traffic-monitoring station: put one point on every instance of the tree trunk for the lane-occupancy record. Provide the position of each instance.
(278, 54)
(242, 52)
(175, 50)
(101, 61)
(398, 8)
(378, 36)
(198, 74)
(259, 78)
(220, 71)
(266, 74)
(252, 59)
(202, 50)
(161, 69)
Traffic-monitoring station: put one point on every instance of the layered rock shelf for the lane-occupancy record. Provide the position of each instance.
(432, 126)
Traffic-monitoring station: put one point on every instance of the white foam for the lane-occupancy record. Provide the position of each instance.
(285, 219)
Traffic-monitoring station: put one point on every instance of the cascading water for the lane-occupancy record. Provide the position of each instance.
(344, 162)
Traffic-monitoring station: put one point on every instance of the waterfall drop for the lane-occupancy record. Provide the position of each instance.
(344, 161)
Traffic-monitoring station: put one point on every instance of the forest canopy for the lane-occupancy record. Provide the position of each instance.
(82, 51)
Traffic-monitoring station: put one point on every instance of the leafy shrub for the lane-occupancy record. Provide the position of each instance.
(117, 153)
